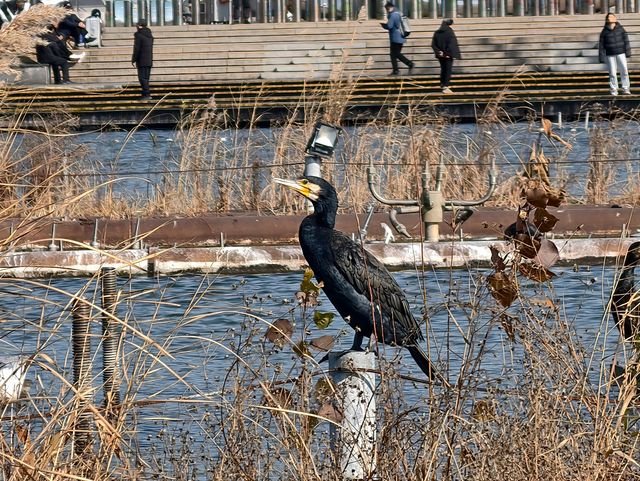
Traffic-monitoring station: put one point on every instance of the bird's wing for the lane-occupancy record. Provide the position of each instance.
(370, 278)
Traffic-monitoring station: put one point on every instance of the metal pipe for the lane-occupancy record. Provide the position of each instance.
(81, 342)
(94, 241)
(367, 220)
(110, 338)
(397, 225)
(52, 245)
(371, 173)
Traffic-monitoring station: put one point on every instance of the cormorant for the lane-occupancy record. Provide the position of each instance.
(625, 301)
(358, 285)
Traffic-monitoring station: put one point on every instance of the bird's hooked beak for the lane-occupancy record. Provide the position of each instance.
(303, 186)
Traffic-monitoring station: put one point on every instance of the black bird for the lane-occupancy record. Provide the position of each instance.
(357, 284)
(625, 301)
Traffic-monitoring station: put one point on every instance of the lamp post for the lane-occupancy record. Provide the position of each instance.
(321, 144)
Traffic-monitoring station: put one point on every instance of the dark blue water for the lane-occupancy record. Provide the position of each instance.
(204, 324)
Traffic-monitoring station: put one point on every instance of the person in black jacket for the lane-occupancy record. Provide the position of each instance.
(142, 57)
(613, 49)
(71, 26)
(52, 51)
(445, 47)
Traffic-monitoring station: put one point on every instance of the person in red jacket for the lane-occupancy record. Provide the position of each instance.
(142, 57)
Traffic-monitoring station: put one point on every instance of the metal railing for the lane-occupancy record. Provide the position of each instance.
(180, 12)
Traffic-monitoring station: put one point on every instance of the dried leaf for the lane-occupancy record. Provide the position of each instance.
(535, 272)
(548, 253)
(23, 435)
(322, 343)
(329, 411)
(279, 397)
(496, 259)
(543, 220)
(546, 126)
(323, 319)
(555, 197)
(301, 349)
(527, 246)
(483, 410)
(507, 324)
(536, 194)
(324, 390)
(502, 288)
(279, 332)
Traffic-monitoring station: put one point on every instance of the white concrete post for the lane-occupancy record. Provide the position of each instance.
(355, 440)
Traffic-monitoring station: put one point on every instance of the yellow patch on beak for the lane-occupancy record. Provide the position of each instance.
(310, 190)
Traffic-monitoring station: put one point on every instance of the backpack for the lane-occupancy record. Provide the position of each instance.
(405, 27)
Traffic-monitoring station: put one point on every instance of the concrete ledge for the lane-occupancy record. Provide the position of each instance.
(396, 256)
(266, 259)
(29, 74)
(71, 263)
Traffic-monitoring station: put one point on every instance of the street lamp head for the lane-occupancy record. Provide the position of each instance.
(323, 141)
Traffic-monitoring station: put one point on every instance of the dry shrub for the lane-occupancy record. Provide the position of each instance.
(529, 399)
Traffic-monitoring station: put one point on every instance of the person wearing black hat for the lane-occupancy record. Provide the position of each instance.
(445, 47)
(396, 39)
(142, 56)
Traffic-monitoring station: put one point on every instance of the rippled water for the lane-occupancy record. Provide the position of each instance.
(191, 317)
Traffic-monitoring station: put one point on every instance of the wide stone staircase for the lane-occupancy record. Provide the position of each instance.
(303, 51)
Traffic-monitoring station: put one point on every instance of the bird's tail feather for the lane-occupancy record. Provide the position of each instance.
(421, 358)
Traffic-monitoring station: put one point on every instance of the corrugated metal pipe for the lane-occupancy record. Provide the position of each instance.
(81, 340)
(110, 338)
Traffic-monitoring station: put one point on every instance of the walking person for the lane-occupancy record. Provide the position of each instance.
(613, 49)
(142, 56)
(396, 39)
(445, 47)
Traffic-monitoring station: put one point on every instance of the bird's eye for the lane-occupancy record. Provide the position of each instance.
(304, 181)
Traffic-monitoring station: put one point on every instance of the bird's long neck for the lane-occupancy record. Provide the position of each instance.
(315, 239)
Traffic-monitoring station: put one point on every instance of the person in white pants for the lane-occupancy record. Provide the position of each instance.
(613, 49)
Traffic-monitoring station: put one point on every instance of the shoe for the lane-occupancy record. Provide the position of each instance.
(395, 72)
(67, 82)
(626, 92)
(413, 64)
(613, 92)
(446, 90)
(78, 57)
(146, 97)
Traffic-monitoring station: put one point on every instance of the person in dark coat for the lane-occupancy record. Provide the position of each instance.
(142, 57)
(445, 46)
(71, 26)
(396, 40)
(52, 51)
(613, 49)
